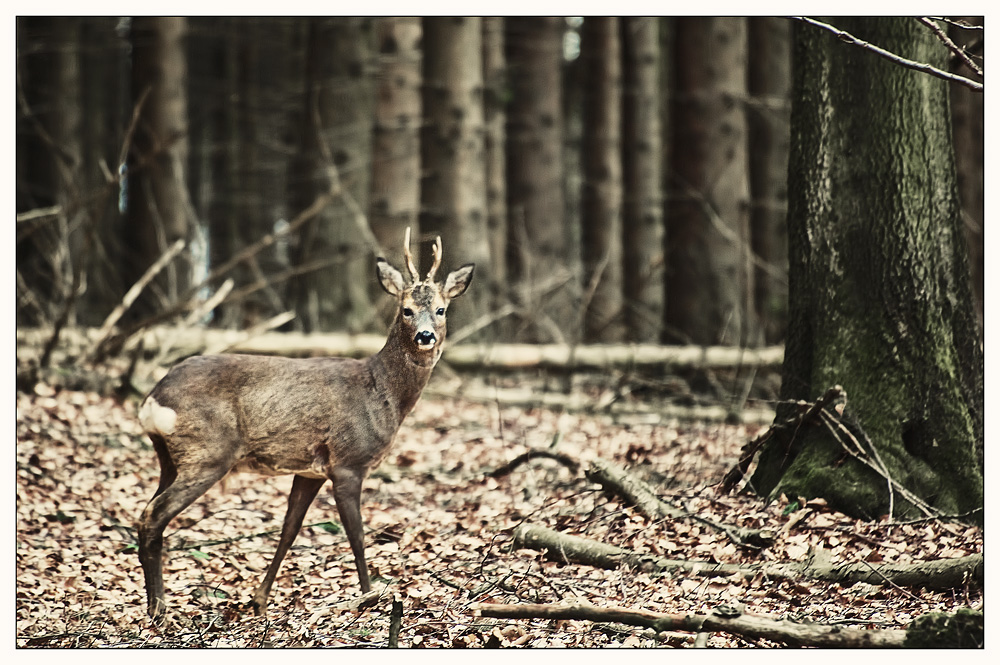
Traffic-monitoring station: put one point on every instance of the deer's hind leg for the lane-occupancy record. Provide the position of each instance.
(179, 487)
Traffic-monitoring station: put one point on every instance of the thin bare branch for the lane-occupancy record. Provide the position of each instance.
(892, 57)
(137, 288)
(952, 46)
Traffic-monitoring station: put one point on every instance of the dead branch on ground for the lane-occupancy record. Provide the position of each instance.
(726, 618)
(935, 574)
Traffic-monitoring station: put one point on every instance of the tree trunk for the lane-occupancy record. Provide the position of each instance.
(335, 155)
(158, 201)
(538, 243)
(967, 110)
(642, 176)
(769, 81)
(879, 291)
(48, 160)
(453, 185)
(709, 271)
(601, 215)
(494, 119)
(395, 199)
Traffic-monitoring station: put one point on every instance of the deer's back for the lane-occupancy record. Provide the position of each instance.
(272, 415)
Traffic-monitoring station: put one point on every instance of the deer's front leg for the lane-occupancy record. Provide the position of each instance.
(303, 492)
(347, 493)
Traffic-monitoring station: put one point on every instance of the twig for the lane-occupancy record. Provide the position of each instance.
(137, 288)
(952, 46)
(749, 451)
(892, 57)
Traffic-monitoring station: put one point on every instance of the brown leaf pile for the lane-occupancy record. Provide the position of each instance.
(437, 533)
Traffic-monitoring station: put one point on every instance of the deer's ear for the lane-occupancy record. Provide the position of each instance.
(458, 281)
(389, 277)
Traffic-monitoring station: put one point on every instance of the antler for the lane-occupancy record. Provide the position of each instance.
(409, 258)
(437, 259)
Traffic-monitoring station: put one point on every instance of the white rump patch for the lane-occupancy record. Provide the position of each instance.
(156, 418)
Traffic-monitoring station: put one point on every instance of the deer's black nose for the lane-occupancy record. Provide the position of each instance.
(425, 338)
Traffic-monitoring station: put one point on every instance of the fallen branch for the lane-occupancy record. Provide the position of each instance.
(507, 468)
(727, 619)
(616, 480)
(808, 412)
(576, 402)
(934, 574)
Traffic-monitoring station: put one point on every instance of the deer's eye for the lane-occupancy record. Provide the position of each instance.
(407, 312)
(440, 311)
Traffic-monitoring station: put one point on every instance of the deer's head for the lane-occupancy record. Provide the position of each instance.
(423, 304)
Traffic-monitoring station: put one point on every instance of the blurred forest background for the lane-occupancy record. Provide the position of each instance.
(614, 179)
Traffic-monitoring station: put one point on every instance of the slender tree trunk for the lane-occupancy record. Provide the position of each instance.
(494, 119)
(395, 201)
(642, 175)
(535, 204)
(709, 269)
(968, 127)
(48, 158)
(453, 190)
(770, 80)
(601, 219)
(879, 291)
(335, 156)
(158, 204)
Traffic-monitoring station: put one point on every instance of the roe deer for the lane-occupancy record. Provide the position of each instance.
(316, 418)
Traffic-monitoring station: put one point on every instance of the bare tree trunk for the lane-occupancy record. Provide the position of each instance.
(335, 155)
(642, 175)
(158, 203)
(601, 215)
(495, 118)
(395, 200)
(770, 81)
(709, 269)
(536, 210)
(453, 190)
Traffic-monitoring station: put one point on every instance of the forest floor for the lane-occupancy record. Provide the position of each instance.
(438, 535)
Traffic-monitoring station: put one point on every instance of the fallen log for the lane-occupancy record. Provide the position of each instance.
(194, 339)
(933, 574)
(726, 618)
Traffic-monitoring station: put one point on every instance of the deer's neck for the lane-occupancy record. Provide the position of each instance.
(401, 374)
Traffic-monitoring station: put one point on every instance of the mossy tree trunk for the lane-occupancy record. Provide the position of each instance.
(879, 290)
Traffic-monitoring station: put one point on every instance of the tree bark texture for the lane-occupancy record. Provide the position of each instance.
(158, 201)
(395, 198)
(494, 146)
(709, 266)
(642, 179)
(538, 239)
(453, 188)
(879, 288)
(334, 154)
(601, 200)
